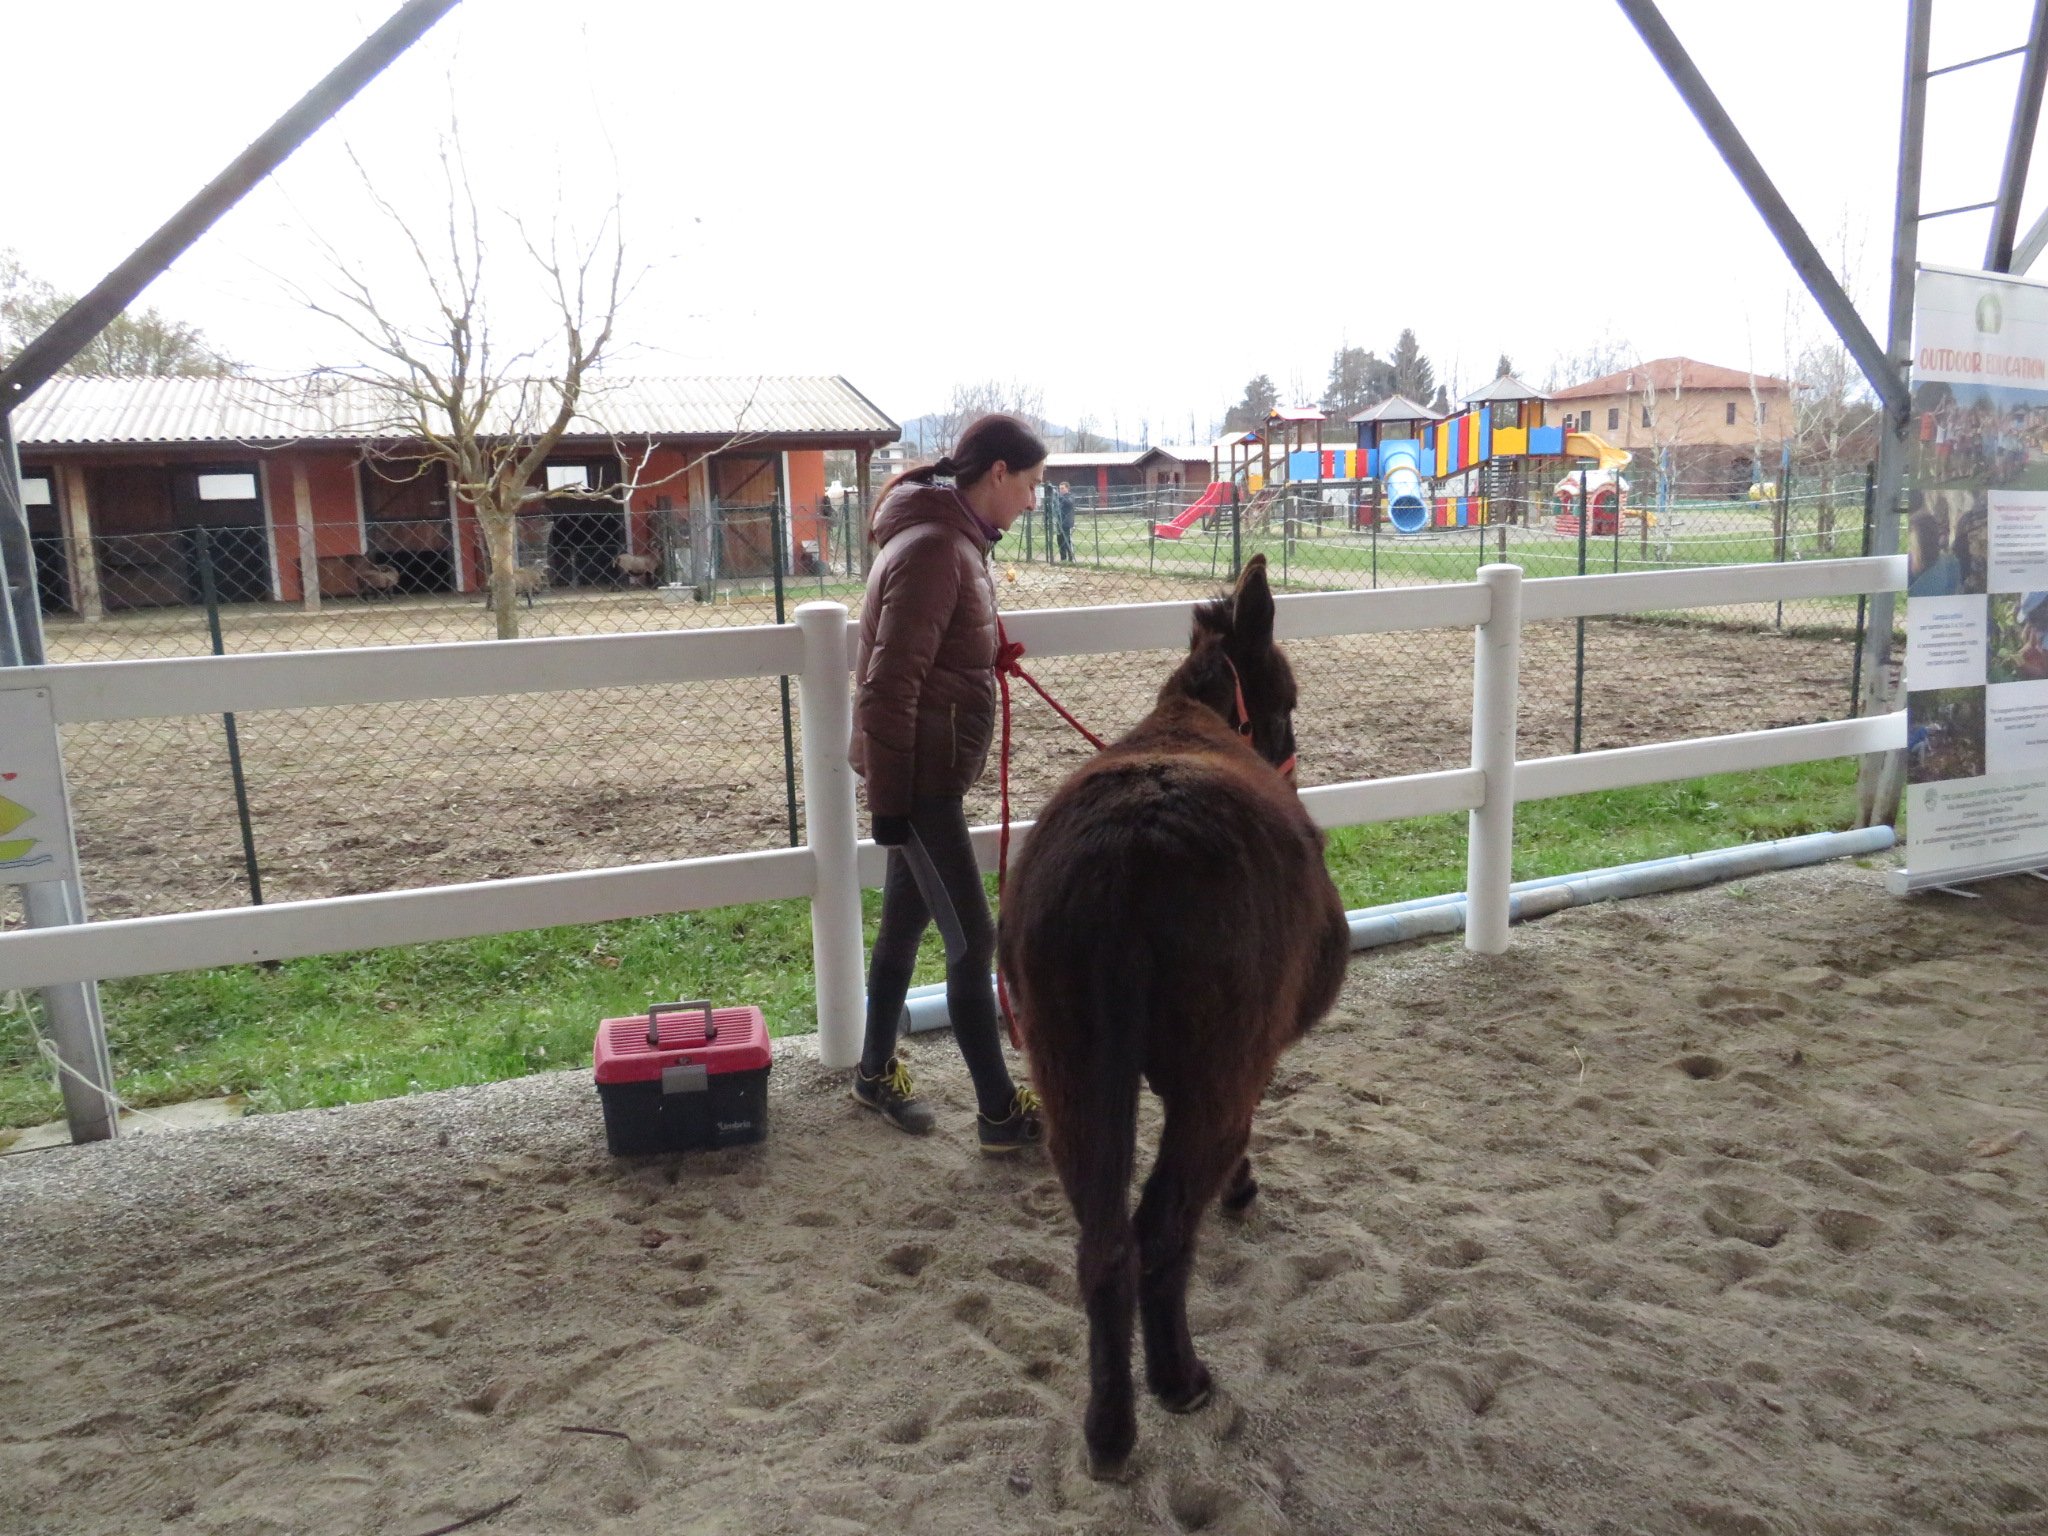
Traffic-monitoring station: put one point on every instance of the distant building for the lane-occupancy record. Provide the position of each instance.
(290, 491)
(1713, 421)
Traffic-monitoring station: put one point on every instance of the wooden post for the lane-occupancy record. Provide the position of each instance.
(85, 564)
(309, 553)
(701, 513)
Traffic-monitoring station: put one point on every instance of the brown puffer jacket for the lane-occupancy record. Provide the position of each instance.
(926, 702)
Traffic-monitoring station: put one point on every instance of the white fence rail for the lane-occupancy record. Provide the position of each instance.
(833, 865)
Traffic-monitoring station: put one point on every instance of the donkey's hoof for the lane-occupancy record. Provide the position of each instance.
(1109, 1434)
(1239, 1200)
(1110, 1468)
(1193, 1396)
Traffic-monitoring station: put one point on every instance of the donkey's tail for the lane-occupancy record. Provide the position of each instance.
(1099, 1142)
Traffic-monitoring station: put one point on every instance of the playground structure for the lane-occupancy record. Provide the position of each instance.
(1410, 468)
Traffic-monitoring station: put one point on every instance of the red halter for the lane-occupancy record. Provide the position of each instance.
(1243, 723)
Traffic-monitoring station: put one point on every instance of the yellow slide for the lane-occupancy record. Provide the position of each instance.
(1584, 445)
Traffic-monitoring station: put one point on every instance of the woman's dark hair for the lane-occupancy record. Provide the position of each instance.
(988, 441)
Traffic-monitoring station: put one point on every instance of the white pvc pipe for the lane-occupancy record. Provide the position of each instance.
(831, 826)
(1432, 916)
(1490, 836)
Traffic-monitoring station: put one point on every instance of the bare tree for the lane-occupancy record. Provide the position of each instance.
(1606, 354)
(1013, 398)
(441, 380)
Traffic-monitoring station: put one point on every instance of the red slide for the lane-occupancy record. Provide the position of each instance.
(1212, 498)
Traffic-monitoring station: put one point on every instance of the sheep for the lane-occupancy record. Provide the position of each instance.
(372, 576)
(632, 567)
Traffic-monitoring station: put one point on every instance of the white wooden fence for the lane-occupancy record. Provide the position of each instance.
(833, 865)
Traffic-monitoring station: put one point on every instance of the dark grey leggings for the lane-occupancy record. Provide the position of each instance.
(941, 826)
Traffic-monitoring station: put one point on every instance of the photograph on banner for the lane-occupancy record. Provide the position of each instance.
(2016, 637)
(1944, 734)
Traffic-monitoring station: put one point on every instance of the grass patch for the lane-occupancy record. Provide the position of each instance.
(341, 1029)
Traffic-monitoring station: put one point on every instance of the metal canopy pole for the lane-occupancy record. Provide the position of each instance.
(72, 1012)
(41, 358)
(2019, 144)
(1881, 776)
(1748, 170)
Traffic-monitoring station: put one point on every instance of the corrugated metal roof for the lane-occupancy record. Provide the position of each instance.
(1090, 460)
(1505, 388)
(1395, 408)
(89, 411)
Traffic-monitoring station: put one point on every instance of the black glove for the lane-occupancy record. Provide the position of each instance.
(892, 831)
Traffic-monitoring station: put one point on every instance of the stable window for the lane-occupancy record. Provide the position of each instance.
(1613, 418)
(239, 486)
(35, 491)
(568, 477)
(1731, 413)
(1763, 411)
(1646, 415)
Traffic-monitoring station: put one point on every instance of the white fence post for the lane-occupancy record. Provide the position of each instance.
(832, 830)
(1496, 685)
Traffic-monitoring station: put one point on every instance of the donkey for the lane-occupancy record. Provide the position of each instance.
(1170, 918)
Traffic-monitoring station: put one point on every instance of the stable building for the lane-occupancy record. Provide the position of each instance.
(298, 490)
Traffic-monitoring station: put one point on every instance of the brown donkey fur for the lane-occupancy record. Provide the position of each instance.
(1170, 919)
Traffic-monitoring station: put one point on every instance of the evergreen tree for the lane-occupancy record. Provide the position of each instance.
(1259, 399)
(1413, 375)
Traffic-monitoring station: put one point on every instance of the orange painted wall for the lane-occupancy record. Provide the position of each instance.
(331, 486)
(806, 497)
(666, 477)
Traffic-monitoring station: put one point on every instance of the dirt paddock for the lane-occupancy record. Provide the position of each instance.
(1719, 1213)
(381, 797)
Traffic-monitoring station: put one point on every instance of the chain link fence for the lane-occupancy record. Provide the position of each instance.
(182, 814)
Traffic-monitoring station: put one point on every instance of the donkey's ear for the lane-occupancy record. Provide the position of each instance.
(1252, 604)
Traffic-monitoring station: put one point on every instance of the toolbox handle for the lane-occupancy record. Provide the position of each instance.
(700, 1005)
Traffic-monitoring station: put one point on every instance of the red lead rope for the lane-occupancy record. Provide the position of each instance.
(1009, 664)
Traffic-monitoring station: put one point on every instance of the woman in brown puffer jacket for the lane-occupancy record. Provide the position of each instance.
(923, 717)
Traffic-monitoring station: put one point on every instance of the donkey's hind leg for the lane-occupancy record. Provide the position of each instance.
(1092, 1147)
(1196, 1156)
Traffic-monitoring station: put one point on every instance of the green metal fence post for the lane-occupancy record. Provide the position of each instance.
(1236, 534)
(211, 593)
(778, 541)
(1579, 663)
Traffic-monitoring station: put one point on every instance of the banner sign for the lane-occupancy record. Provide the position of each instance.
(35, 843)
(1977, 580)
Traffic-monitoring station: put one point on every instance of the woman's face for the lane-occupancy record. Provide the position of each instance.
(1011, 493)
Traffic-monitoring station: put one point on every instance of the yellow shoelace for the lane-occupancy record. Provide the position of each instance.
(896, 1080)
(1027, 1101)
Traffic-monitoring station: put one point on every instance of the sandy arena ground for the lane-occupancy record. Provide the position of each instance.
(1719, 1213)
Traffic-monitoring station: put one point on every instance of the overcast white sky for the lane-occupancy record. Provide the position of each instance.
(1134, 207)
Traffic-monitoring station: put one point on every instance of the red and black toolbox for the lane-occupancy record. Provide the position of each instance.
(683, 1075)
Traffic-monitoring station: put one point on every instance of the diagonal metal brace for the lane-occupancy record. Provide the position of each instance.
(2019, 144)
(1883, 376)
(70, 332)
